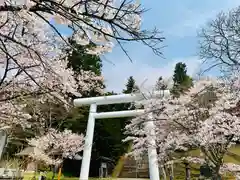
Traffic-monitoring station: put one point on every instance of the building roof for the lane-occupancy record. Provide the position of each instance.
(105, 159)
(28, 150)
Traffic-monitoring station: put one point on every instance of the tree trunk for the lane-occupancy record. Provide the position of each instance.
(164, 173)
(54, 167)
(187, 171)
(171, 175)
(215, 173)
(216, 177)
(172, 171)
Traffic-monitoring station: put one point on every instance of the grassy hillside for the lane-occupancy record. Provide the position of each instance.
(179, 169)
(232, 157)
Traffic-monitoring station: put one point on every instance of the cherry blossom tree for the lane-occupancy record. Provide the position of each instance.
(18, 92)
(91, 21)
(55, 146)
(29, 39)
(33, 51)
(63, 144)
(204, 118)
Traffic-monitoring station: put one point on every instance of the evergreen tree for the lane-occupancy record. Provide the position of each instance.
(103, 140)
(111, 142)
(130, 86)
(108, 134)
(181, 81)
(79, 60)
(113, 129)
(180, 73)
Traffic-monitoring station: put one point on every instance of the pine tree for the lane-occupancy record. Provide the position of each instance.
(180, 73)
(130, 86)
(181, 81)
(78, 59)
(108, 133)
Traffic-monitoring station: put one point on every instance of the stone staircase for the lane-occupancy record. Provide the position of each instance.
(134, 169)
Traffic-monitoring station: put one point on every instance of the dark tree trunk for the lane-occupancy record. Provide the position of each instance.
(215, 173)
(54, 170)
(187, 171)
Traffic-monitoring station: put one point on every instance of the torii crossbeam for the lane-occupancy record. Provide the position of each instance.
(116, 99)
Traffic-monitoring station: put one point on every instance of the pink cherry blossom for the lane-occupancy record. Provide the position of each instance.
(204, 118)
(64, 144)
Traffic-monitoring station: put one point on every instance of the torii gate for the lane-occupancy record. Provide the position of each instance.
(116, 99)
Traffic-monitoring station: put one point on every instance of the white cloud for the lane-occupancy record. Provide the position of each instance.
(190, 21)
(146, 75)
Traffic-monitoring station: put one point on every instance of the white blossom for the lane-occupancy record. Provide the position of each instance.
(64, 144)
(204, 118)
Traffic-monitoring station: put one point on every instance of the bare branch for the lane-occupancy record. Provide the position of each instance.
(121, 12)
(220, 39)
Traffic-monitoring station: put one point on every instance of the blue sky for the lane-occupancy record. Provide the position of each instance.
(179, 20)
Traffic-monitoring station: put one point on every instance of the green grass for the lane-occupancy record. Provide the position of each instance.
(229, 158)
(232, 157)
(29, 176)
